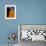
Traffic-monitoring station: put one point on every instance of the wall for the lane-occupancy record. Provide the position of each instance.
(28, 12)
(31, 11)
(6, 26)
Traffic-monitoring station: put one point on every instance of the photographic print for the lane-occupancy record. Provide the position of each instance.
(10, 11)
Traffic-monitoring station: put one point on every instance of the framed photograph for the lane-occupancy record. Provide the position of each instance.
(10, 11)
